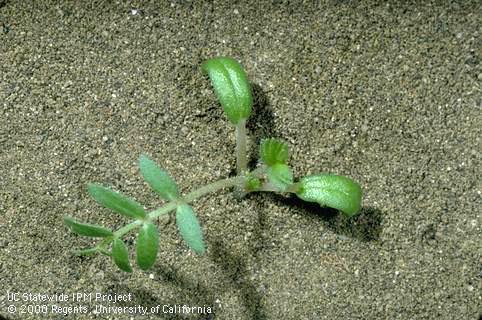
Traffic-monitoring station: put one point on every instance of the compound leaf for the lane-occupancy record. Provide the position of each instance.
(231, 86)
(86, 229)
(273, 151)
(158, 179)
(189, 228)
(147, 245)
(116, 201)
(120, 254)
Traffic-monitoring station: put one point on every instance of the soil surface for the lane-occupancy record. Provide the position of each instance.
(386, 93)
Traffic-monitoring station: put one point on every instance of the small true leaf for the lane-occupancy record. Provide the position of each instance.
(147, 245)
(120, 254)
(116, 201)
(86, 229)
(273, 151)
(280, 176)
(158, 179)
(333, 191)
(231, 86)
(252, 183)
(189, 228)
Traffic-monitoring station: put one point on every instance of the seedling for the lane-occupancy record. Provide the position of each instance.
(272, 174)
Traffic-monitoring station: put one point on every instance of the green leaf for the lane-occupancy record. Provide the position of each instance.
(273, 151)
(189, 228)
(120, 254)
(116, 201)
(86, 229)
(280, 176)
(147, 245)
(158, 179)
(231, 86)
(333, 191)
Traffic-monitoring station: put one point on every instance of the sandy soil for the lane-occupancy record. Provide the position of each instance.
(387, 94)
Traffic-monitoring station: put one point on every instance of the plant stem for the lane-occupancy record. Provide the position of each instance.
(125, 229)
(215, 186)
(168, 207)
(241, 157)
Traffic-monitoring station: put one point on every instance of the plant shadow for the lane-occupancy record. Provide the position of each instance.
(234, 271)
(365, 226)
(260, 124)
(190, 293)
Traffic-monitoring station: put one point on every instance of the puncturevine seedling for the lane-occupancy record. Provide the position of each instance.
(271, 175)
